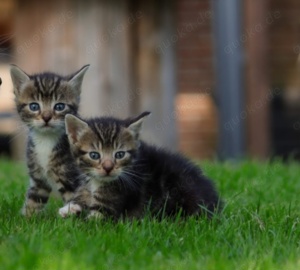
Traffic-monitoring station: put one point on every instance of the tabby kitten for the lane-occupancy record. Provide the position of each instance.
(127, 176)
(42, 101)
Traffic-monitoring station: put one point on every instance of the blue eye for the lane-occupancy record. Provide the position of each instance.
(34, 106)
(59, 107)
(119, 155)
(94, 155)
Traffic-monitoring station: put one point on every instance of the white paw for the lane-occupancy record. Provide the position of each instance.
(95, 215)
(69, 209)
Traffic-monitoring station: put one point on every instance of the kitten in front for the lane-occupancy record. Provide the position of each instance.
(128, 177)
(42, 101)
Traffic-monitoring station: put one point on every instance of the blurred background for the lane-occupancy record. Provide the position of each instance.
(221, 77)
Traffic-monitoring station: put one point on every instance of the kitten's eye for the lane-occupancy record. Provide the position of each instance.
(94, 155)
(59, 107)
(34, 106)
(119, 155)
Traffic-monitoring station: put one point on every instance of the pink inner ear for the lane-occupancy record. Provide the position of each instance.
(72, 133)
(74, 137)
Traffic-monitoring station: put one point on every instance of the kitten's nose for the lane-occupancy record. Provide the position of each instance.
(108, 166)
(46, 117)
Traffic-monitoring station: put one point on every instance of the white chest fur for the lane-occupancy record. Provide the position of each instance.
(94, 185)
(44, 145)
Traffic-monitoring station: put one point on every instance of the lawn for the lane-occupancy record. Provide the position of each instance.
(259, 228)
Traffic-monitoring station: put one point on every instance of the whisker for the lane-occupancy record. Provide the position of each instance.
(122, 182)
(130, 182)
(132, 174)
(138, 174)
(18, 134)
(84, 176)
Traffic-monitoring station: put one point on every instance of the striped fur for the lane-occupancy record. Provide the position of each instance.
(51, 166)
(145, 177)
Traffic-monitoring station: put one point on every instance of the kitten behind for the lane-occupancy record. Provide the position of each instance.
(42, 101)
(128, 176)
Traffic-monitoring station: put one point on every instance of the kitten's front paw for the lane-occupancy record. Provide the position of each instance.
(28, 211)
(95, 215)
(69, 209)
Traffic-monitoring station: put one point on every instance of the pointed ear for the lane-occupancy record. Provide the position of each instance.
(135, 124)
(75, 127)
(76, 79)
(19, 77)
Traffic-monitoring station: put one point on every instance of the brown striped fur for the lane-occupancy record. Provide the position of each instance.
(143, 177)
(42, 101)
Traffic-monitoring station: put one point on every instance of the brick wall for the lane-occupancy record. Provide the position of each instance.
(271, 57)
(195, 69)
(284, 39)
(197, 116)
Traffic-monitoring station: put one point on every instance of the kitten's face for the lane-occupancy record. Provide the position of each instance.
(105, 159)
(43, 100)
(104, 148)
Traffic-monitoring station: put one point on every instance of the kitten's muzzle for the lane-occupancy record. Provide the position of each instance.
(47, 118)
(107, 166)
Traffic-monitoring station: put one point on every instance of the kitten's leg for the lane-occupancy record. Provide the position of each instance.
(37, 196)
(94, 214)
(66, 181)
(70, 209)
(66, 193)
(99, 211)
(77, 204)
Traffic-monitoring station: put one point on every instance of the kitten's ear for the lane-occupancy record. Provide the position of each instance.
(19, 77)
(135, 124)
(75, 127)
(76, 79)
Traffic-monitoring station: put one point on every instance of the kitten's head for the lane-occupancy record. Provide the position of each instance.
(104, 148)
(43, 100)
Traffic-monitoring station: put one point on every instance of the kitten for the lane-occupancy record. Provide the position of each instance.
(127, 176)
(42, 101)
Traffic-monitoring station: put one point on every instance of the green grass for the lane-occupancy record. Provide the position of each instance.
(259, 228)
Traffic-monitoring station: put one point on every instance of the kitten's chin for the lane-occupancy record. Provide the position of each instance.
(106, 178)
(48, 129)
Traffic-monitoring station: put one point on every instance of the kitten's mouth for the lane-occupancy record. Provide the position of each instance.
(47, 126)
(107, 178)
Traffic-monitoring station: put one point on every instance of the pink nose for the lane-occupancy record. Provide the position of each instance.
(108, 166)
(46, 118)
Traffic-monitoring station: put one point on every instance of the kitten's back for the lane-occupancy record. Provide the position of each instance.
(176, 180)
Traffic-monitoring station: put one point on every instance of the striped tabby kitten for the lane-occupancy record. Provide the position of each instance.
(128, 176)
(42, 101)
